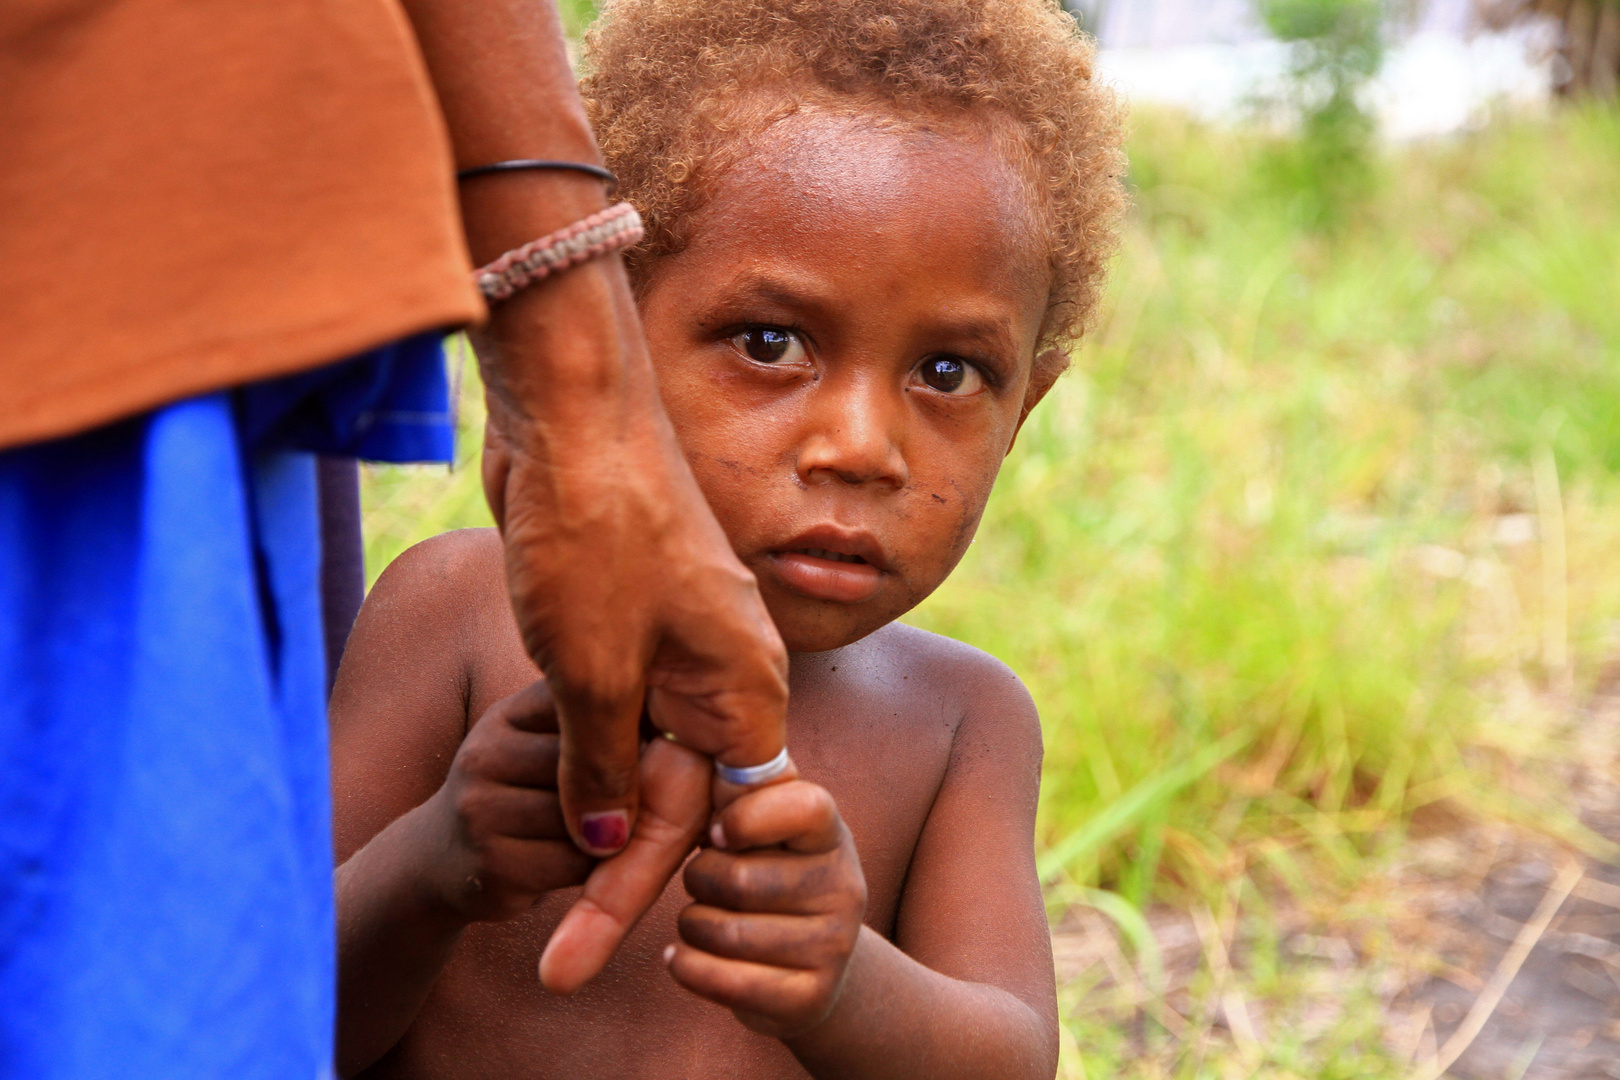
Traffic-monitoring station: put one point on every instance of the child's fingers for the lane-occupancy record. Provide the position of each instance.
(497, 810)
(512, 757)
(773, 882)
(532, 867)
(787, 941)
(530, 709)
(674, 809)
(784, 999)
(798, 815)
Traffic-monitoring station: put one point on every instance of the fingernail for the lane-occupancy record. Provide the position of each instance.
(605, 832)
(717, 835)
(669, 953)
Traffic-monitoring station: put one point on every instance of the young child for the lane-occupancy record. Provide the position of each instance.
(873, 227)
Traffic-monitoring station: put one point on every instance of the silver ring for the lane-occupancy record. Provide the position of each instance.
(754, 774)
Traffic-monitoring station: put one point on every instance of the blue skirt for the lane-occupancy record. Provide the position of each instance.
(165, 826)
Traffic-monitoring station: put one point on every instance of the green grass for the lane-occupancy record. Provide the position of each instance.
(1322, 527)
(1264, 506)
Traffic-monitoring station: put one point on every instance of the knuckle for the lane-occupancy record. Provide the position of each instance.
(471, 805)
(701, 876)
(596, 694)
(740, 879)
(773, 657)
(477, 757)
(595, 677)
(731, 936)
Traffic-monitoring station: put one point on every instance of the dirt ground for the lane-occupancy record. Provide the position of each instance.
(1482, 949)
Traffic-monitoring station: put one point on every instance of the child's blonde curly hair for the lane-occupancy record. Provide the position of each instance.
(677, 88)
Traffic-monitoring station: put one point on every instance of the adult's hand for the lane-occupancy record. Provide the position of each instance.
(623, 584)
(624, 587)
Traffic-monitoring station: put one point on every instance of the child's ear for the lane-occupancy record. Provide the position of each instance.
(1048, 366)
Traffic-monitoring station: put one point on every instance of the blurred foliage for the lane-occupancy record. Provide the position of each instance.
(1271, 548)
(576, 16)
(1337, 48)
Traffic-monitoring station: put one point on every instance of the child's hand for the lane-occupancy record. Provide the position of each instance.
(497, 824)
(780, 899)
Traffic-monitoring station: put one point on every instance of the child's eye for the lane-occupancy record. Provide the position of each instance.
(949, 375)
(768, 344)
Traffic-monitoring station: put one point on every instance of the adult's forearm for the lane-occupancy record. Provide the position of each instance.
(506, 90)
(897, 1019)
(393, 939)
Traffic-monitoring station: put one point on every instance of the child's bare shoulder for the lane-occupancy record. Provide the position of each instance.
(443, 571)
(438, 617)
(948, 695)
(433, 641)
(968, 680)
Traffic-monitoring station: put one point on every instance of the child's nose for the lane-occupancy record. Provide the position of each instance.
(853, 436)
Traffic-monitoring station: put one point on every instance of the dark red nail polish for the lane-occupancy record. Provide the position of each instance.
(605, 832)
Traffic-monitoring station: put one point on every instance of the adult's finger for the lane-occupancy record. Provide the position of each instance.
(674, 811)
(598, 768)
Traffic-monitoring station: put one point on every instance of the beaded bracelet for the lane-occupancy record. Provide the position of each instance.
(617, 227)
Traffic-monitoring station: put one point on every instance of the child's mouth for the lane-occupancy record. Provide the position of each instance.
(835, 556)
(823, 573)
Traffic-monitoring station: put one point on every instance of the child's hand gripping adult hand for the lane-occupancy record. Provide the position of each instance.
(499, 841)
(505, 843)
(779, 902)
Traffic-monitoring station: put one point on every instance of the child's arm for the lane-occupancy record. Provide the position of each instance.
(966, 990)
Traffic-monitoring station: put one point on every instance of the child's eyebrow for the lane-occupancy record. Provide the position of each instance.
(992, 332)
(796, 292)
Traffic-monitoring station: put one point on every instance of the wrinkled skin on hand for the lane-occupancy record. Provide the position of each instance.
(674, 810)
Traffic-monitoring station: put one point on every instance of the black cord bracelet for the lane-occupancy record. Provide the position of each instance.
(530, 163)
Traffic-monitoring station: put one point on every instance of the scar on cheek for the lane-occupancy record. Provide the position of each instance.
(937, 496)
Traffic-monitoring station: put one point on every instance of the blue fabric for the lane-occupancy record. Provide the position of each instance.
(391, 404)
(165, 851)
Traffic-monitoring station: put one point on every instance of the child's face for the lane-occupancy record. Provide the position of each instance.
(845, 349)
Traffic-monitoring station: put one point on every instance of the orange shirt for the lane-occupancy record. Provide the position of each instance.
(200, 193)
